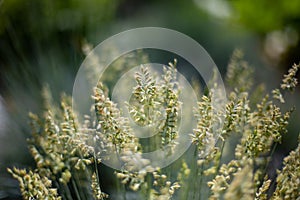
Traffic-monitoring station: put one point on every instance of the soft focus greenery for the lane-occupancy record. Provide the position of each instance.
(265, 15)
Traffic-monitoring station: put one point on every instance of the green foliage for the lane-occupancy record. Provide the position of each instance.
(45, 18)
(265, 16)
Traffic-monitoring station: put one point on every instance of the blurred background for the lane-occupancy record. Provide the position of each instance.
(41, 42)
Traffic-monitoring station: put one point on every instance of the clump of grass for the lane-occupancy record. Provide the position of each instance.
(68, 152)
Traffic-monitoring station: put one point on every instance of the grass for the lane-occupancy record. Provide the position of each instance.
(68, 152)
